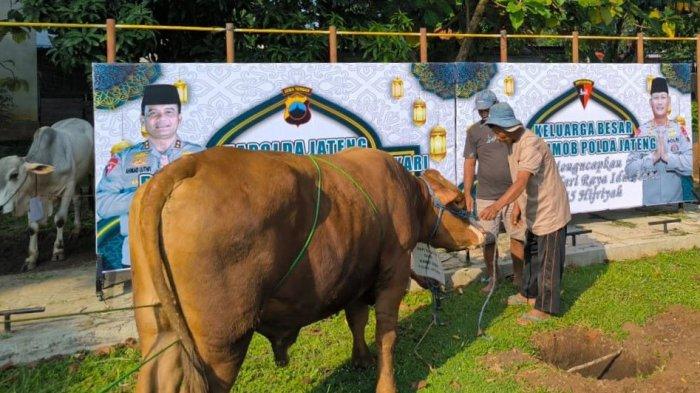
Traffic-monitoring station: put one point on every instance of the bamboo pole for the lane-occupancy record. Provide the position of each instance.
(640, 48)
(504, 46)
(280, 31)
(333, 44)
(176, 28)
(574, 47)
(595, 361)
(229, 43)
(50, 25)
(423, 45)
(111, 40)
(215, 29)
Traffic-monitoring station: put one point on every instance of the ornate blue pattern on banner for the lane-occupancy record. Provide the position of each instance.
(448, 80)
(678, 75)
(115, 84)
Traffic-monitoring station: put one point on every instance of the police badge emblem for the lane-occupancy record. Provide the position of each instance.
(139, 159)
(297, 108)
(585, 90)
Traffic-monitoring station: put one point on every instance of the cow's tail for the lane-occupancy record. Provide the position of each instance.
(151, 256)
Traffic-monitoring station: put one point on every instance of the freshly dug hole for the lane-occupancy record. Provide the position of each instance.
(576, 346)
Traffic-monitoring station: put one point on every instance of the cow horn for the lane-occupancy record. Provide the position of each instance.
(39, 169)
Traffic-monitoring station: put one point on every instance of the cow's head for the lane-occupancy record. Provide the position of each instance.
(18, 182)
(446, 222)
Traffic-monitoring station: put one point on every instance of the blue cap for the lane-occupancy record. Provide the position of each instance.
(484, 99)
(501, 115)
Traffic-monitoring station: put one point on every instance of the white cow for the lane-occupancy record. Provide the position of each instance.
(59, 158)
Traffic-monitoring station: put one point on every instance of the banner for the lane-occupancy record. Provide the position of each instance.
(596, 118)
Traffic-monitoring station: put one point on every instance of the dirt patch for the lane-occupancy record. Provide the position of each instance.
(661, 356)
(78, 251)
(14, 243)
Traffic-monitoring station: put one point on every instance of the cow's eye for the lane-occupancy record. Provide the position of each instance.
(13, 176)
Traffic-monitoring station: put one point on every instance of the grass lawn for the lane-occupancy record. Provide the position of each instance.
(600, 296)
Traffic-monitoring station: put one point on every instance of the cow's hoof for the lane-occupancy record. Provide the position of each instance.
(282, 362)
(28, 265)
(363, 362)
(58, 256)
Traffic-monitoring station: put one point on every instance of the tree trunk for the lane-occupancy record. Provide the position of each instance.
(466, 44)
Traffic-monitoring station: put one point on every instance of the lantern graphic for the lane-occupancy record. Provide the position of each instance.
(649, 79)
(181, 87)
(683, 7)
(438, 143)
(397, 88)
(680, 119)
(419, 112)
(509, 86)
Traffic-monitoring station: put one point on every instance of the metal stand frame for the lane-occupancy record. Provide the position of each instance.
(665, 223)
(107, 279)
(7, 313)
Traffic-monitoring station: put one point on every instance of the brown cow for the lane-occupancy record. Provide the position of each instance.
(214, 236)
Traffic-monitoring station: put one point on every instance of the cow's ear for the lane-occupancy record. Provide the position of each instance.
(445, 192)
(446, 195)
(39, 169)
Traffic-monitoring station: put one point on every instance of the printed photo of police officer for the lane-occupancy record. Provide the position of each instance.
(664, 170)
(129, 168)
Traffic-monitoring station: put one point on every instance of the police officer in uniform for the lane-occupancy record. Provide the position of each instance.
(662, 170)
(133, 166)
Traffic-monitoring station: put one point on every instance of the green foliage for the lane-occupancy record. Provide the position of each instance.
(75, 48)
(540, 14)
(389, 49)
(78, 48)
(609, 18)
(319, 361)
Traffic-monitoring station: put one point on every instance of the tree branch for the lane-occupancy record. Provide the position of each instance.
(466, 44)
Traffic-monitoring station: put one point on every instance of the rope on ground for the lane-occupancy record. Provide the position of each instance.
(493, 280)
(415, 349)
(135, 369)
(82, 313)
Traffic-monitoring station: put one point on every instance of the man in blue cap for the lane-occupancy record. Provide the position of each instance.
(135, 165)
(662, 171)
(493, 180)
(540, 193)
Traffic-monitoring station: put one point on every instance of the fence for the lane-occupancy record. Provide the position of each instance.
(111, 28)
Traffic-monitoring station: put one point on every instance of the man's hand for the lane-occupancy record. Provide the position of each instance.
(516, 215)
(663, 155)
(470, 202)
(489, 213)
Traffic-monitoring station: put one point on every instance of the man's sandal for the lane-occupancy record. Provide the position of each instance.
(517, 300)
(528, 318)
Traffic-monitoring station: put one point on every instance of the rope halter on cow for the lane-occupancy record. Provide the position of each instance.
(14, 193)
(459, 213)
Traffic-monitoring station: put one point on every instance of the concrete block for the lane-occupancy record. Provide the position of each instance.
(463, 277)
